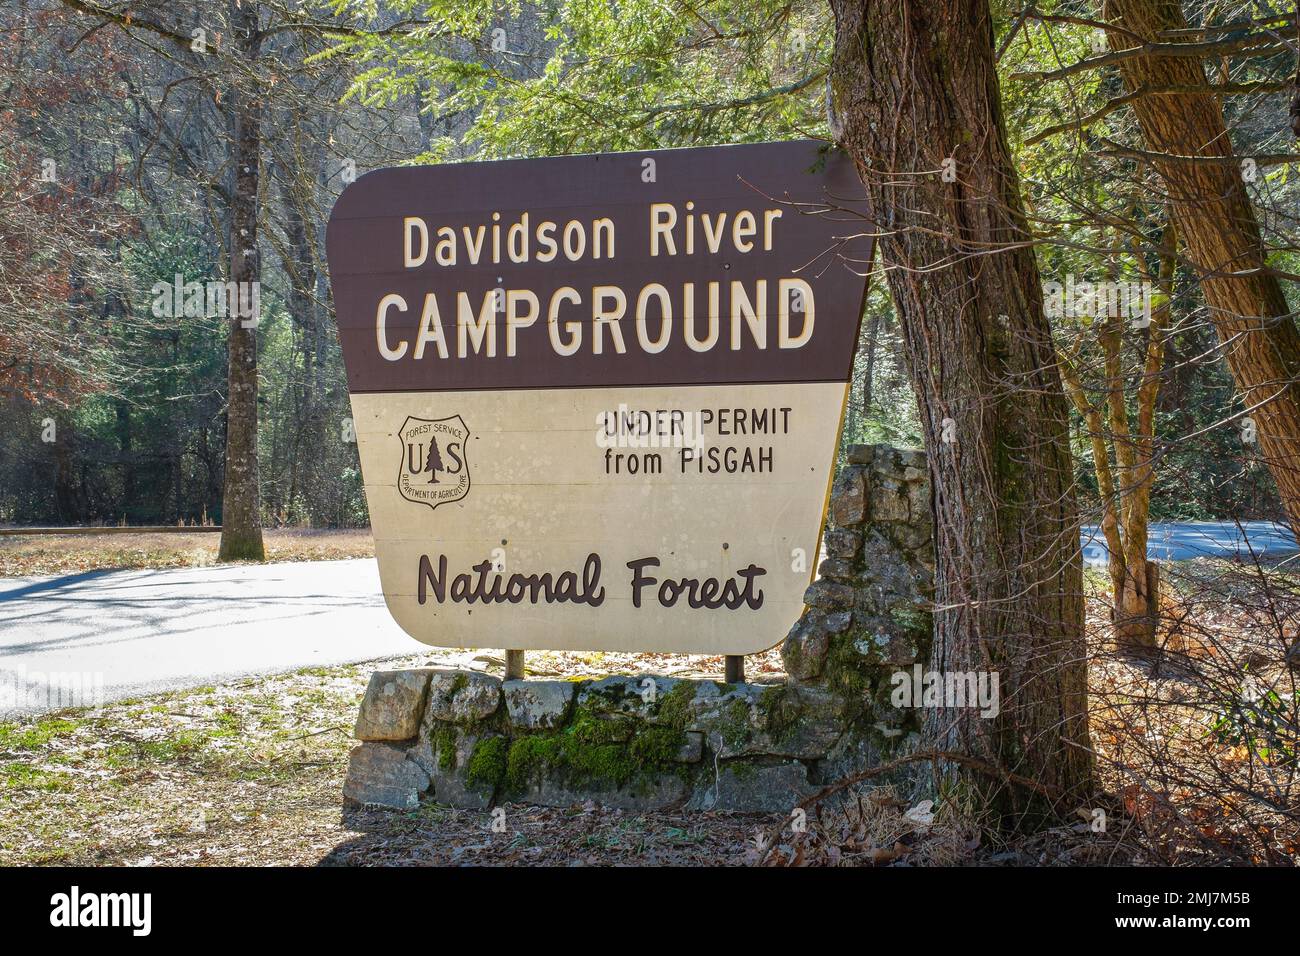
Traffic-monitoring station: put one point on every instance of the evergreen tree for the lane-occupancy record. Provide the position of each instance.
(433, 464)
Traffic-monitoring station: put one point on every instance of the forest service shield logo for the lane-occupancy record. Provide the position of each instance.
(435, 466)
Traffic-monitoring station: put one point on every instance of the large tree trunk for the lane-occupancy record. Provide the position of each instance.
(1295, 87)
(869, 376)
(241, 522)
(914, 84)
(1217, 224)
(300, 268)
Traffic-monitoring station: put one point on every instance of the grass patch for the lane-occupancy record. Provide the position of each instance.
(21, 776)
(69, 554)
(36, 735)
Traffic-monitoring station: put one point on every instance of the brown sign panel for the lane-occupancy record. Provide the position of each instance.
(597, 397)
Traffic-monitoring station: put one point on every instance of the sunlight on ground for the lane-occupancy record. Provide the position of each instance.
(24, 555)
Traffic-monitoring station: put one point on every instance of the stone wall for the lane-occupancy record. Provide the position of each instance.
(469, 739)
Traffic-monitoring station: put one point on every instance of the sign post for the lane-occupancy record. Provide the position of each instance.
(597, 398)
(733, 668)
(514, 665)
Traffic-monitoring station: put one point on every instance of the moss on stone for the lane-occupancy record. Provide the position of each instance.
(741, 769)
(917, 623)
(653, 747)
(526, 758)
(793, 656)
(734, 726)
(675, 706)
(487, 763)
(847, 672)
(612, 697)
(443, 738)
(781, 710)
(594, 730)
(592, 751)
(581, 763)
(597, 763)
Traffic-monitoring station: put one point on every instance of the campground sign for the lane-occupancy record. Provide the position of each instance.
(597, 398)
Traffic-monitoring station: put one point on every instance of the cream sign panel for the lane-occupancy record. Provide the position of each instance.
(597, 398)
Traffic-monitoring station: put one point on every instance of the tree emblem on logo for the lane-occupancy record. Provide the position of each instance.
(435, 462)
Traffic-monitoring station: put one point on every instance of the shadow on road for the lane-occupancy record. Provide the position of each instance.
(53, 584)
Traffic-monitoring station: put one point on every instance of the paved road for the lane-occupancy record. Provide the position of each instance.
(64, 639)
(78, 638)
(1181, 540)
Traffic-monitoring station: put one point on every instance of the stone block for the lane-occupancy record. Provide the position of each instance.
(830, 596)
(538, 704)
(838, 623)
(915, 538)
(918, 506)
(772, 720)
(853, 753)
(656, 794)
(893, 646)
(692, 749)
(842, 544)
(742, 785)
(636, 696)
(804, 650)
(462, 697)
(912, 458)
(393, 705)
(888, 501)
(848, 498)
(837, 569)
(449, 759)
(379, 774)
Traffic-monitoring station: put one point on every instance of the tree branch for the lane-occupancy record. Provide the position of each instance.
(757, 98)
(1255, 44)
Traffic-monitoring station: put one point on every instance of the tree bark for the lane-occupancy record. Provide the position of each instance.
(1216, 222)
(914, 83)
(1295, 87)
(300, 269)
(869, 376)
(123, 410)
(241, 520)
